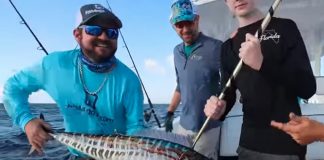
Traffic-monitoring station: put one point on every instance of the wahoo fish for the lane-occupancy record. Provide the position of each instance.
(122, 147)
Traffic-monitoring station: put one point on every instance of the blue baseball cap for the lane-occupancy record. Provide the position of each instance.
(182, 10)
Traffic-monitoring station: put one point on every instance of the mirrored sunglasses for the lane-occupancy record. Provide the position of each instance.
(111, 33)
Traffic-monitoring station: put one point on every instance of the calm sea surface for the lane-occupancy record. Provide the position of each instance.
(14, 144)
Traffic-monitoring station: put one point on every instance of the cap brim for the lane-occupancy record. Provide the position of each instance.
(183, 18)
(103, 20)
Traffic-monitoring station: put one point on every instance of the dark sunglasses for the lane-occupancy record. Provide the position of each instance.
(111, 33)
(181, 24)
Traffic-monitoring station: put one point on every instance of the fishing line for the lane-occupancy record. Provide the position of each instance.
(147, 115)
(41, 47)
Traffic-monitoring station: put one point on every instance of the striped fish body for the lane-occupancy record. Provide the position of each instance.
(120, 147)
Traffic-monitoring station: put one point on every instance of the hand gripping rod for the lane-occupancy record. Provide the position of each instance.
(264, 25)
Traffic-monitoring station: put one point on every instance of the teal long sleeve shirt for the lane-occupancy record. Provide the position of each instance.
(119, 107)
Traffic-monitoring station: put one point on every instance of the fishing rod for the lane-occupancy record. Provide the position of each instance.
(41, 47)
(264, 24)
(146, 114)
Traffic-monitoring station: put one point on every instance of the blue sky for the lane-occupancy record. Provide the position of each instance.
(146, 29)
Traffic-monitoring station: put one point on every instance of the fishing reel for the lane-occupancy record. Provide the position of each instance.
(147, 115)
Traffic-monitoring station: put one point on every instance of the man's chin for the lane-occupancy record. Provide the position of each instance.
(105, 53)
(188, 41)
(105, 57)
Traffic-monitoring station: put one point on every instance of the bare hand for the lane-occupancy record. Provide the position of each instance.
(302, 129)
(250, 52)
(214, 108)
(37, 133)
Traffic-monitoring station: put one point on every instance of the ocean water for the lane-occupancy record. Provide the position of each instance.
(14, 144)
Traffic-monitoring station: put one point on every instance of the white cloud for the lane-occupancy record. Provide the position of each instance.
(170, 60)
(154, 66)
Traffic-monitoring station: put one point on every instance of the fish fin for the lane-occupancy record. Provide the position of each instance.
(32, 150)
(167, 136)
(41, 116)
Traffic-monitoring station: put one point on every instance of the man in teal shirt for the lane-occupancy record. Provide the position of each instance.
(95, 92)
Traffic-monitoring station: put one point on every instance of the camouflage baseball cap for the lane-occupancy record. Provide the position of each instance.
(182, 10)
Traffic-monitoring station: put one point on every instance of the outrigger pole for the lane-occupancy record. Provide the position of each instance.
(146, 115)
(264, 25)
(41, 47)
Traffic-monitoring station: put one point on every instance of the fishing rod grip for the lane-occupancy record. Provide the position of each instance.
(238, 67)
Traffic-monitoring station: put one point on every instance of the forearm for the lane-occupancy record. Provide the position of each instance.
(15, 100)
(297, 77)
(227, 68)
(311, 129)
(175, 101)
(321, 132)
(229, 92)
(230, 98)
(230, 95)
